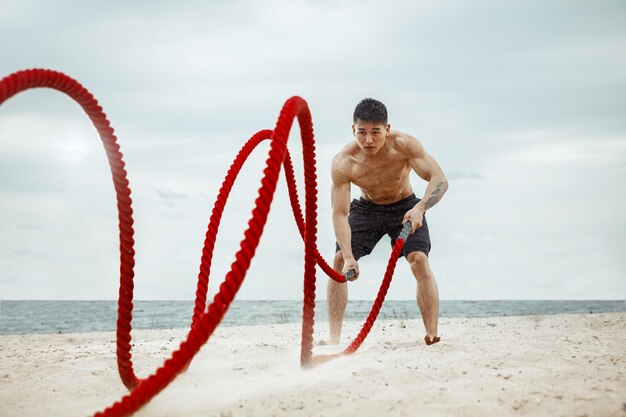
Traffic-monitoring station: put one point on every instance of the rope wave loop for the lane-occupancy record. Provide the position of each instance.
(205, 318)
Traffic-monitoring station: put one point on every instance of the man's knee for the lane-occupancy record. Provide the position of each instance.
(419, 265)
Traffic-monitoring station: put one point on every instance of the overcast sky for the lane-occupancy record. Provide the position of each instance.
(523, 104)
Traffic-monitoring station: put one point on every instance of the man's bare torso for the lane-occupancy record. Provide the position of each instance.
(384, 178)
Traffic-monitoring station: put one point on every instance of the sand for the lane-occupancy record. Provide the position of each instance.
(562, 365)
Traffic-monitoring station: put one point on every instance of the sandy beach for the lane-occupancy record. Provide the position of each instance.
(562, 365)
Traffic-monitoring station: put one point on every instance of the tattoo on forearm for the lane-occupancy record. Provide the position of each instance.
(436, 194)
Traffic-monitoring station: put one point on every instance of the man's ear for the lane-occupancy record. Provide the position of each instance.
(388, 128)
(353, 131)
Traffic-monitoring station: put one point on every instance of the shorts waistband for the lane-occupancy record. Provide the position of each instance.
(363, 201)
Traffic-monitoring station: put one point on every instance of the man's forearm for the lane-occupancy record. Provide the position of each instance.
(343, 233)
(435, 190)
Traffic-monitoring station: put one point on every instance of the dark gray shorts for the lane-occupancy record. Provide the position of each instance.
(370, 222)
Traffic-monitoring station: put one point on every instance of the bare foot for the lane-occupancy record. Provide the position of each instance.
(431, 340)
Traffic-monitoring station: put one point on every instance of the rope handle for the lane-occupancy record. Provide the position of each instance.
(404, 234)
(350, 275)
(406, 230)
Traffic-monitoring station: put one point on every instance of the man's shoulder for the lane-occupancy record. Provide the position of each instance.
(342, 162)
(407, 144)
(345, 155)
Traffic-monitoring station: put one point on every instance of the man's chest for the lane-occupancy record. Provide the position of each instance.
(386, 173)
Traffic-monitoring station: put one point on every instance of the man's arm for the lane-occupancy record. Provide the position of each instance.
(340, 199)
(429, 170)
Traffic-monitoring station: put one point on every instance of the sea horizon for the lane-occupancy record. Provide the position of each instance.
(79, 316)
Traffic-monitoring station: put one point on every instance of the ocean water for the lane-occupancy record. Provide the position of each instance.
(25, 317)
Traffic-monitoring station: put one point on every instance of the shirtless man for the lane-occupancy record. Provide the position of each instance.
(379, 162)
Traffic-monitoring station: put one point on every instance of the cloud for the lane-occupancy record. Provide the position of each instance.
(470, 175)
(23, 174)
(30, 227)
(24, 252)
(598, 151)
(169, 194)
(520, 104)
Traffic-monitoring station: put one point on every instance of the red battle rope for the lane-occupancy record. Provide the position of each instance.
(205, 320)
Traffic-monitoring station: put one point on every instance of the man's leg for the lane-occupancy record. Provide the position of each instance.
(337, 298)
(427, 293)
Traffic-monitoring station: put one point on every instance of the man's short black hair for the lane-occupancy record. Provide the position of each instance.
(370, 110)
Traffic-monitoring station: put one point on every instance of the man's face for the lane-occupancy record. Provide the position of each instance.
(370, 136)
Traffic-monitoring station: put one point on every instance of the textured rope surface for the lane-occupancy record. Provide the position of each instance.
(205, 320)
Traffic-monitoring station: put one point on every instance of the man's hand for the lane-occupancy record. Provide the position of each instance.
(416, 216)
(349, 264)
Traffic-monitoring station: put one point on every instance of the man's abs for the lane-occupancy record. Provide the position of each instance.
(386, 195)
